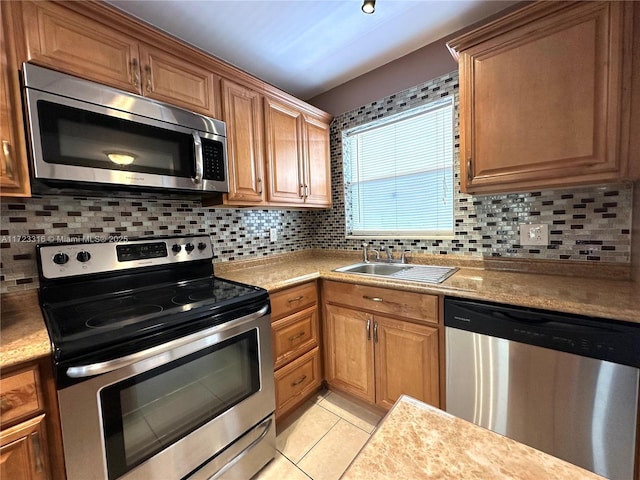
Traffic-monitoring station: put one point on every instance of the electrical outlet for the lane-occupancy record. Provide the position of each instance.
(273, 234)
(534, 234)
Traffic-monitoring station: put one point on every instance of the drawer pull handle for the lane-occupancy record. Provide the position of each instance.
(296, 299)
(147, 69)
(373, 299)
(135, 73)
(299, 381)
(37, 450)
(6, 169)
(296, 336)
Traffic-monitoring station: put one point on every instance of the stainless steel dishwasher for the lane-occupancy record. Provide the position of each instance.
(564, 384)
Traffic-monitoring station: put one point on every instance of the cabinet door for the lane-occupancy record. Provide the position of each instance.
(178, 81)
(242, 111)
(406, 361)
(21, 451)
(541, 104)
(283, 127)
(14, 173)
(349, 351)
(317, 162)
(72, 43)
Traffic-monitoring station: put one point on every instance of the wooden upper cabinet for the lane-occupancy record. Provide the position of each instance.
(181, 82)
(283, 126)
(14, 173)
(317, 162)
(242, 112)
(541, 97)
(64, 40)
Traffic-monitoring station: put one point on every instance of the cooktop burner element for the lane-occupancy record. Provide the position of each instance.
(114, 301)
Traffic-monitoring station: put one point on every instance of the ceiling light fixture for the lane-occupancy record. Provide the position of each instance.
(369, 6)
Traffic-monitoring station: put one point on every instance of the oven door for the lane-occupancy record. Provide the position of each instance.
(168, 415)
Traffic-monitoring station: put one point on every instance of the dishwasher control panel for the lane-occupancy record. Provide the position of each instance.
(604, 339)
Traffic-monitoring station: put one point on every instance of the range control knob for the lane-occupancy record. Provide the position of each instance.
(60, 258)
(176, 248)
(202, 246)
(83, 256)
(189, 247)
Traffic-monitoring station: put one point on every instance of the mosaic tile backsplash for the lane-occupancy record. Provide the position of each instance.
(236, 234)
(586, 224)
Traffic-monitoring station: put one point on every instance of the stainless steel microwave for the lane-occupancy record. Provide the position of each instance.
(85, 135)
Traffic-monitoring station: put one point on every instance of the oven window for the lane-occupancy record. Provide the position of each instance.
(146, 413)
(71, 136)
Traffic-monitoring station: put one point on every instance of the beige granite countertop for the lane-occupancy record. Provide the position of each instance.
(23, 334)
(599, 297)
(416, 440)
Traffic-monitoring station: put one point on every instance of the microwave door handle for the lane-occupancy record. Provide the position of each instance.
(199, 159)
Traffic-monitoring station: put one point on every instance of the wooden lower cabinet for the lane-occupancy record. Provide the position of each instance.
(30, 440)
(406, 361)
(349, 351)
(22, 451)
(296, 381)
(374, 356)
(296, 346)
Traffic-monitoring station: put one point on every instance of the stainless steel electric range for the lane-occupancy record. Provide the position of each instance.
(162, 369)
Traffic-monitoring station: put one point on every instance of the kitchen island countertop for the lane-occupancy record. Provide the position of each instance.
(416, 440)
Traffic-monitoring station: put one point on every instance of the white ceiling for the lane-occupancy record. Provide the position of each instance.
(307, 47)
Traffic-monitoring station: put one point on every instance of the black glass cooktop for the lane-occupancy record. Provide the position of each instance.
(99, 321)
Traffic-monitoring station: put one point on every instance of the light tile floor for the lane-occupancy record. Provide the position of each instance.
(320, 439)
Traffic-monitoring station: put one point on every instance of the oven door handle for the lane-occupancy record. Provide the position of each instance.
(266, 426)
(82, 371)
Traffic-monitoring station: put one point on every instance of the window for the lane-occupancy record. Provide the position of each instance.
(399, 175)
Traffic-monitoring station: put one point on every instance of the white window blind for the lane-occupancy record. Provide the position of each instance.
(399, 175)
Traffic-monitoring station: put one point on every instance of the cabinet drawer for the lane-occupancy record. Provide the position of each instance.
(408, 305)
(19, 395)
(294, 299)
(297, 380)
(294, 335)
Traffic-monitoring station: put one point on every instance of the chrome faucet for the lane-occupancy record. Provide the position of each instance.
(365, 253)
(387, 251)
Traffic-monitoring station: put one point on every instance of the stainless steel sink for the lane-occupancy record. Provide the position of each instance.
(414, 273)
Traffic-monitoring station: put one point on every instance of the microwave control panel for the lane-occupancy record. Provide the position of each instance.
(213, 159)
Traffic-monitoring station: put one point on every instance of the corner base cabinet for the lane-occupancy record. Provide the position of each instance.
(381, 343)
(544, 97)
